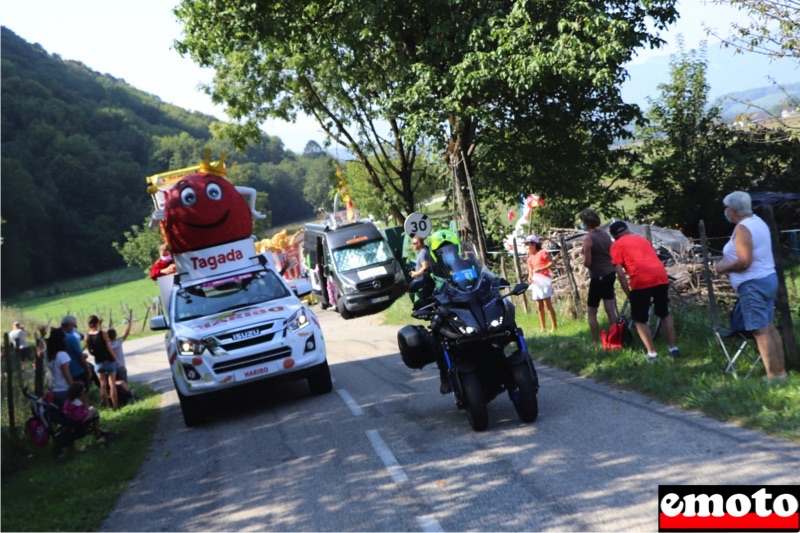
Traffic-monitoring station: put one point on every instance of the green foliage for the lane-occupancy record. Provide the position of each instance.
(688, 160)
(536, 84)
(76, 147)
(140, 248)
(773, 28)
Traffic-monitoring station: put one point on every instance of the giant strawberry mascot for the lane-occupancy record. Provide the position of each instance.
(204, 209)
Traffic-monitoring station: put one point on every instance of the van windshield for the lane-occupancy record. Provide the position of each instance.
(227, 294)
(360, 255)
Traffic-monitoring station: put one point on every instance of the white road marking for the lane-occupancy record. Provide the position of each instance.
(351, 403)
(429, 524)
(394, 468)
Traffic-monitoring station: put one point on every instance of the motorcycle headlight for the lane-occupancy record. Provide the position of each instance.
(190, 347)
(298, 321)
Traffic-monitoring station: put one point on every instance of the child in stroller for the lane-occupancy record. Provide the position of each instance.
(60, 427)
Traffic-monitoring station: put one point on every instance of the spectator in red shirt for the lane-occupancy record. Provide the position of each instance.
(164, 266)
(646, 281)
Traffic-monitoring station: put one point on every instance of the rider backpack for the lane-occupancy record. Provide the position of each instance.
(617, 337)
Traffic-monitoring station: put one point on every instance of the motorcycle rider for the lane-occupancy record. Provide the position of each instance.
(438, 240)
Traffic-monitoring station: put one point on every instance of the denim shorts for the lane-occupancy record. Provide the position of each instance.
(756, 308)
(106, 367)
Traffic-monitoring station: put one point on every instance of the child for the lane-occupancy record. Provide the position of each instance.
(77, 408)
(122, 371)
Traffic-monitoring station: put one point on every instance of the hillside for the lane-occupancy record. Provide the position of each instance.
(762, 100)
(76, 147)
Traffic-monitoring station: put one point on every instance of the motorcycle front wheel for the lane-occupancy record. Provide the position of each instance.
(472, 390)
(524, 395)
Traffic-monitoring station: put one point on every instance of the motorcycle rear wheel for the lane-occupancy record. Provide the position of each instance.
(524, 395)
(472, 390)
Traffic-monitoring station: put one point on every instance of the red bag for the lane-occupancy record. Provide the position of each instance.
(37, 432)
(617, 337)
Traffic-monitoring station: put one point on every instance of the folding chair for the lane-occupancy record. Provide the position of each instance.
(740, 344)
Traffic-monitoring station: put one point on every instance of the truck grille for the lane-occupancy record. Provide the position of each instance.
(376, 284)
(251, 336)
(252, 360)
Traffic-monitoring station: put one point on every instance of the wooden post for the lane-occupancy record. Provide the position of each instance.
(782, 299)
(647, 234)
(565, 256)
(712, 299)
(12, 424)
(519, 272)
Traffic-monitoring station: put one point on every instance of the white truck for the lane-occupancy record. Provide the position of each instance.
(231, 320)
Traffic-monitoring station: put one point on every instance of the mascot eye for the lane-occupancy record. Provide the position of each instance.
(214, 191)
(188, 197)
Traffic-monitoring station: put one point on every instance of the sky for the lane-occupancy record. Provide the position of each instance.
(132, 40)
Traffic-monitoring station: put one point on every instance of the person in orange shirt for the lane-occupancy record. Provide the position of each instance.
(539, 263)
(644, 280)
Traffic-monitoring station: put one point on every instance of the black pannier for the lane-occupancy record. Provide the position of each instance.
(414, 347)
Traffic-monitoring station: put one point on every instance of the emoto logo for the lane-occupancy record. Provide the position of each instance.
(728, 508)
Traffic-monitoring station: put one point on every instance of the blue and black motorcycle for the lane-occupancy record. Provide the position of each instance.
(472, 335)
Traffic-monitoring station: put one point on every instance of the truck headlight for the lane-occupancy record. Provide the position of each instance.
(298, 321)
(190, 347)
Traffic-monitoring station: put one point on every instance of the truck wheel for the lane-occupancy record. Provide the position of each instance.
(193, 415)
(319, 381)
(477, 412)
(343, 312)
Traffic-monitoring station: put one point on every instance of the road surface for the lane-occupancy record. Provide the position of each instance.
(386, 452)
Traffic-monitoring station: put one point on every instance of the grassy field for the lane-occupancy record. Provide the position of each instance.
(45, 306)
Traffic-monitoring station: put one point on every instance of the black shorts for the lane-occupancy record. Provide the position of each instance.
(640, 302)
(601, 288)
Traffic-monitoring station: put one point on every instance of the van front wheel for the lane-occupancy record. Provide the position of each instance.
(347, 315)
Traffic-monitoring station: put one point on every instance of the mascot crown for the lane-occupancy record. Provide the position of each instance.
(216, 169)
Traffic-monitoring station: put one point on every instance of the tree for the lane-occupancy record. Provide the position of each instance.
(140, 247)
(382, 77)
(773, 28)
(688, 160)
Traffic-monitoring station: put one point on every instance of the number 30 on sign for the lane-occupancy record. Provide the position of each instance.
(417, 224)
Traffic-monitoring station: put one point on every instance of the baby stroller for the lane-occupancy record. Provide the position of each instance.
(63, 430)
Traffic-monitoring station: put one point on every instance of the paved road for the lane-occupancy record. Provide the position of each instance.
(385, 452)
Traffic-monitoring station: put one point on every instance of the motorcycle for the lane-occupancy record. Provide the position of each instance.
(472, 335)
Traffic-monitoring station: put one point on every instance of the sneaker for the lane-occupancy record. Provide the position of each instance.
(652, 357)
(675, 353)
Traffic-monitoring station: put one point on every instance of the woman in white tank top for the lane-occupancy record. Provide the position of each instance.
(748, 260)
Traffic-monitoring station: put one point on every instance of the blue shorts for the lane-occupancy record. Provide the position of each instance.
(106, 367)
(756, 306)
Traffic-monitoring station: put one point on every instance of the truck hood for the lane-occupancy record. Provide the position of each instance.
(274, 312)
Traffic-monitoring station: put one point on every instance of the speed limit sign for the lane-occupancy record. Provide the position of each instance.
(417, 224)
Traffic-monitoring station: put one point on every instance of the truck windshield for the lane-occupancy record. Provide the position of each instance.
(228, 293)
(360, 255)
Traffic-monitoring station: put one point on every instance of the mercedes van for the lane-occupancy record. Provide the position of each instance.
(351, 268)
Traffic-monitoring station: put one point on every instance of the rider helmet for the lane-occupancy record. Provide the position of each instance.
(441, 237)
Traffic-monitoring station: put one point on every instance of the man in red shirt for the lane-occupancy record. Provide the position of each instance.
(646, 281)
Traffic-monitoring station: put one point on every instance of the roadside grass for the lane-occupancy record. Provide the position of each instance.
(43, 494)
(695, 382)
